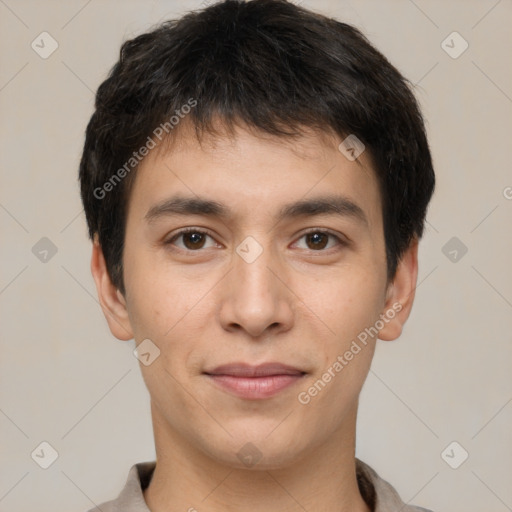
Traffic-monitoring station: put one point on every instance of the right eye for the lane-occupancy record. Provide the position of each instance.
(193, 239)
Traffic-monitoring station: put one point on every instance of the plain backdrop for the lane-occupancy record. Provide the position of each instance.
(66, 381)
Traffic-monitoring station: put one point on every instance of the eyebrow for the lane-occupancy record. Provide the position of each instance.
(323, 205)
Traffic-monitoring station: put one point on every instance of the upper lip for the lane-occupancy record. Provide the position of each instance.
(261, 370)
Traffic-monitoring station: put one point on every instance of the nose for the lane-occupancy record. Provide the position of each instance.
(255, 298)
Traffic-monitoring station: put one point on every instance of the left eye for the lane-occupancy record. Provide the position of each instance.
(319, 240)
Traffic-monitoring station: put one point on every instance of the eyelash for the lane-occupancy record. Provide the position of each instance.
(184, 231)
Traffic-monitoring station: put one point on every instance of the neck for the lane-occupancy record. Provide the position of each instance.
(189, 480)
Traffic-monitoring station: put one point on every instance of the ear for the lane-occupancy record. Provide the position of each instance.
(111, 299)
(400, 294)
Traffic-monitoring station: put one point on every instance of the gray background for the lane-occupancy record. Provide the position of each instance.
(65, 380)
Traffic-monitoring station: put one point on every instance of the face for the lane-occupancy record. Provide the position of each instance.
(282, 262)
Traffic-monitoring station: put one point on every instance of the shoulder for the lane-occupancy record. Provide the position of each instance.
(108, 506)
(131, 497)
(385, 496)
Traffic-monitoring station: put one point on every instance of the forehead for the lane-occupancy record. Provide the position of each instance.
(251, 172)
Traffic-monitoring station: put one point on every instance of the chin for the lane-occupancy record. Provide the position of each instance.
(259, 452)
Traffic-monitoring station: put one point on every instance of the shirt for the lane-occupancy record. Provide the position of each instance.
(379, 495)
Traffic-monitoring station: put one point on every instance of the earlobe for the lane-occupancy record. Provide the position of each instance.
(400, 294)
(111, 300)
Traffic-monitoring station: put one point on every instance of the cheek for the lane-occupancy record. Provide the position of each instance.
(173, 312)
(353, 309)
(352, 303)
(157, 297)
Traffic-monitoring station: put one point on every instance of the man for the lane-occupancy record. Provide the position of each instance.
(255, 179)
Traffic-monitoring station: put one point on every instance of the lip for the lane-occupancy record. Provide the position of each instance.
(260, 370)
(254, 382)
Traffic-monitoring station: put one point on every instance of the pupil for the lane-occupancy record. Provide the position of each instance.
(195, 238)
(317, 239)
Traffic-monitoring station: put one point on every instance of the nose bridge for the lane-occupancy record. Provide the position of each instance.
(252, 262)
(257, 299)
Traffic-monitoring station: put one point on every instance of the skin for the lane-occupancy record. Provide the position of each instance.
(296, 304)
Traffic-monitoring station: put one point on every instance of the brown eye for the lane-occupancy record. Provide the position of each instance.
(191, 239)
(317, 240)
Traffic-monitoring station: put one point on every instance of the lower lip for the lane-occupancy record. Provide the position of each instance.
(255, 388)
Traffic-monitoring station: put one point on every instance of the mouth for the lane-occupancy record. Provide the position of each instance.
(254, 382)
